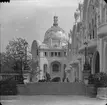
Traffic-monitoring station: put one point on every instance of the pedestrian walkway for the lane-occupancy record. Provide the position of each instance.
(51, 100)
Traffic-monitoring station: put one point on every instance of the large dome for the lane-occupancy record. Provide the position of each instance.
(55, 33)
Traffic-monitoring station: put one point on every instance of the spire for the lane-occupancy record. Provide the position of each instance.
(55, 21)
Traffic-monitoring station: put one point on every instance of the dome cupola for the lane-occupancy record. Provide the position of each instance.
(55, 34)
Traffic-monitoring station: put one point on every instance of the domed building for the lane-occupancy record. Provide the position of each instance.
(51, 54)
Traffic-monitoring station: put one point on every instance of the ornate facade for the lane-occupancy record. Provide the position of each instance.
(92, 27)
(51, 55)
(89, 37)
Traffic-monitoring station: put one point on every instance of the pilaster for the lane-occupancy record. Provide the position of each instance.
(105, 57)
(101, 55)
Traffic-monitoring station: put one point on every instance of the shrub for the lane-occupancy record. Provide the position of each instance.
(100, 80)
(43, 80)
(91, 79)
(8, 87)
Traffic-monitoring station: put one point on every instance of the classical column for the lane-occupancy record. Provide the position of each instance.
(105, 57)
(80, 70)
(62, 72)
(101, 55)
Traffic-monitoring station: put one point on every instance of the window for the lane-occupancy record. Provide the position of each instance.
(46, 54)
(56, 68)
(52, 54)
(59, 54)
(55, 53)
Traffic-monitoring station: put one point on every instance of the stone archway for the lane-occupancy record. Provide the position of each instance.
(96, 62)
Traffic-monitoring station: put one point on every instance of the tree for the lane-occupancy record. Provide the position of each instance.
(6, 63)
(16, 55)
(35, 70)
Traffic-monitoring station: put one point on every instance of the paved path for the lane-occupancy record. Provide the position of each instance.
(51, 100)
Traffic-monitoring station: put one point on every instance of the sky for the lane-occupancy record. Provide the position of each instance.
(30, 19)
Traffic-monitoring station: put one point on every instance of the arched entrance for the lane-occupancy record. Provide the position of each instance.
(96, 62)
(55, 67)
(56, 79)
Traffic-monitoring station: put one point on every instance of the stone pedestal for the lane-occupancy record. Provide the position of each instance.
(102, 93)
(86, 74)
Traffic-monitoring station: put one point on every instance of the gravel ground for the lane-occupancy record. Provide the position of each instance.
(51, 100)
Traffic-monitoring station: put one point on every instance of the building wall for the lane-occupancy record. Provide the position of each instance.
(94, 19)
(93, 30)
(48, 60)
(102, 33)
(53, 89)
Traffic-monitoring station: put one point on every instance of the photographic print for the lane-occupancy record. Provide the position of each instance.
(53, 52)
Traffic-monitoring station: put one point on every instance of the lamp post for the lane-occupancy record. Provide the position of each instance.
(87, 67)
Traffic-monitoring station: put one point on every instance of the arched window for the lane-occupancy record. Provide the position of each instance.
(55, 68)
(59, 54)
